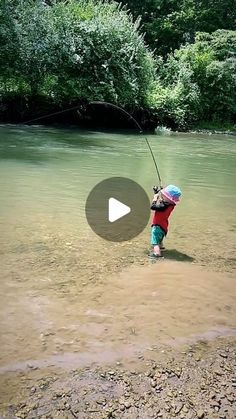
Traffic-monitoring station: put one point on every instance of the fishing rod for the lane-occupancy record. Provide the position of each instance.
(139, 129)
(111, 105)
(155, 163)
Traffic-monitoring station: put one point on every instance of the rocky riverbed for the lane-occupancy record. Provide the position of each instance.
(155, 341)
(195, 381)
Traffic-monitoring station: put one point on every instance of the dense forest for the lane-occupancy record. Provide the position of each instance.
(171, 60)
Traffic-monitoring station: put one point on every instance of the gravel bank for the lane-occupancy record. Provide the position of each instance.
(197, 381)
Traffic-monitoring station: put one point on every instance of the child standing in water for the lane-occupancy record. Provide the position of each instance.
(163, 204)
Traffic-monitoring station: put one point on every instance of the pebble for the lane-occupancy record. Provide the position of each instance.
(215, 404)
(138, 391)
(185, 409)
(223, 355)
(178, 407)
(218, 372)
(177, 372)
(32, 367)
(127, 404)
(153, 383)
(101, 401)
(59, 394)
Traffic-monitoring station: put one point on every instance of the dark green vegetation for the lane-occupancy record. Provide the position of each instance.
(168, 24)
(198, 81)
(73, 50)
(56, 54)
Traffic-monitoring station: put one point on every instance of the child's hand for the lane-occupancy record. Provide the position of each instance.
(156, 197)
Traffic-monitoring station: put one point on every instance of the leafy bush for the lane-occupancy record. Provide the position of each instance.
(73, 49)
(212, 59)
(198, 81)
(176, 104)
(168, 24)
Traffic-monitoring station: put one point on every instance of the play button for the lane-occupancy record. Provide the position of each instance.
(117, 209)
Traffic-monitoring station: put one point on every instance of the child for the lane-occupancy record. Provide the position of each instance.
(163, 204)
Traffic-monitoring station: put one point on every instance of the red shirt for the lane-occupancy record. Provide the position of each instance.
(161, 215)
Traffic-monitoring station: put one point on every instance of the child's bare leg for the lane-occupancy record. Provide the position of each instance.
(157, 250)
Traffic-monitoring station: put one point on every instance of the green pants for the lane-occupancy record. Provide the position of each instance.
(157, 235)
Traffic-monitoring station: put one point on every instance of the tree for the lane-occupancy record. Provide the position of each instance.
(198, 81)
(25, 40)
(168, 24)
(74, 50)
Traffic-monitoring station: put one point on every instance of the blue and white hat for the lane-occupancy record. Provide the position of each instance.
(172, 192)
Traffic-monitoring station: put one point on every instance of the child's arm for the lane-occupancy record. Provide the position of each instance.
(157, 204)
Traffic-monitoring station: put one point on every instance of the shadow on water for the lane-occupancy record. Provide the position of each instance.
(25, 155)
(174, 254)
(38, 145)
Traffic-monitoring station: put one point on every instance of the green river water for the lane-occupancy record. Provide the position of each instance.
(46, 175)
(49, 252)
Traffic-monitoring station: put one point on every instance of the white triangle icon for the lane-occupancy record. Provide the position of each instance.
(117, 210)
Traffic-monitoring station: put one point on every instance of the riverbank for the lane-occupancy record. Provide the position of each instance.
(40, 110)
(214, 128)
(154, 341)
(196, 381)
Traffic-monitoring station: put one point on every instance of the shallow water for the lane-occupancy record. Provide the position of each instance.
(56, 274)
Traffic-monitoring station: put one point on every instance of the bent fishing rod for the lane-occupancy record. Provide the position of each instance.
(111, 105)
(138, 126)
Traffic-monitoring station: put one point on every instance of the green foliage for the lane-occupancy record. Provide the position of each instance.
(176, 103)
(73, 49)
(168, 24)
(198, 82)
(217, 126)
(212, 59)
(68, 50)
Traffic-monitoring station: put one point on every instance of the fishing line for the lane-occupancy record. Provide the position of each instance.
(51, 114)
(127, 114)
(139, 129)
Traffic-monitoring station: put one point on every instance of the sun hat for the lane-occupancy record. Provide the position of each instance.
(172, 192)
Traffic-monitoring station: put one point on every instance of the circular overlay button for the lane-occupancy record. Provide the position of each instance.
(117, 209)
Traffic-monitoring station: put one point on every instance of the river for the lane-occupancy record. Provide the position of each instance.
(65, 291)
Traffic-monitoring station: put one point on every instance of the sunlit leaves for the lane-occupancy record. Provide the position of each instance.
(75, 49)
(198, 81)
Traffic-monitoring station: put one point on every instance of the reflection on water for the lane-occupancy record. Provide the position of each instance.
(49, 252)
